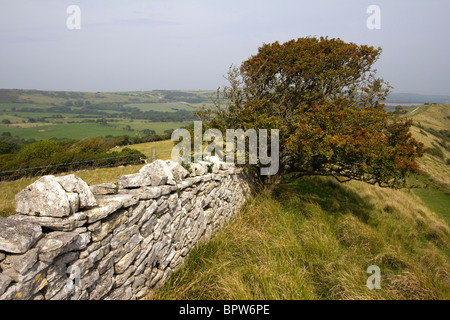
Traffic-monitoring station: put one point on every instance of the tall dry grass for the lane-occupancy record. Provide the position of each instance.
(314, 239)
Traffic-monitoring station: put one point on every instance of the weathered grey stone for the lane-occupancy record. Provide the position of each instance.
(55, 244)
(74, 201)
(137, 212)
(156, 278)
(104, 188)
(134, 180)
(139, 282)
(4, 282)
(98, 254)
(146, 246)
(108, 204)
(34, 273)
(125, 197)
(16, 236)
(21, 262)
(168, 258)
(45, 197)
(177, 170)
(186, 184)
(72, 183)
(162, 210)
(133, 242)
(125, 262)
(13, 292)
(165, 190)
(81, 242)
(78, 294)
(120, 279)
(58, 274)
(147, 228)
(106, 262)
(173, 202)
(89, 279)
(146, 193)
(96, 226)
(36, 279)
(120, 294)
(103, 286)
(109, 224)
(38, 296)
(159, 172)
(121, 237)
(148, 213)
(91, 247)
(58, 224)
(62, 291)
(198, 169)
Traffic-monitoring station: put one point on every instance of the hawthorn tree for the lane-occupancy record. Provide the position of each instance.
(324, 97)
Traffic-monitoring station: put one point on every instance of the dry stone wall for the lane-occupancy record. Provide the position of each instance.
(74, 241)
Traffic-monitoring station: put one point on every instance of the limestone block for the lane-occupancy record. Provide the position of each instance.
(45, 198)
(148, 213)
(4, 282)
(109, 204)
(137, 212)
(122, 237)
(21, 262)
(17, 236)
(125, 262)
(147, 227)
(177, 170)
(103, 188)
(36, 272)
(146, 193)
(159, 172)
(134, 180)
(55, 244)
(126, 277)
(58, 224)
(109, 224)
(198, 169)
(72, 183)
(103, 286)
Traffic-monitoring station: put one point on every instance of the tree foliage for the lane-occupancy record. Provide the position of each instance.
(324, 97)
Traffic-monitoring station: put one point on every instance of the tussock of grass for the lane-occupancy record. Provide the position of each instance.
(314, 239)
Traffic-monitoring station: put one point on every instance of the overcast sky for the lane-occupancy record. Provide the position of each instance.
(146, 45)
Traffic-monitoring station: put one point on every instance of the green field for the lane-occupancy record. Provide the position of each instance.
(58, 114)
(166, 107)
(88, 130)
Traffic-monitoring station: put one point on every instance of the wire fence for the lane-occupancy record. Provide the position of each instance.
(68, 167)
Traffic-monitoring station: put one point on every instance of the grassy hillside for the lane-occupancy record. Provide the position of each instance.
(432, 127)
(315, 239)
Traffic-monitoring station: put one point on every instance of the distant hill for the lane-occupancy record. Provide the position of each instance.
(431, 127)
(417, 98)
